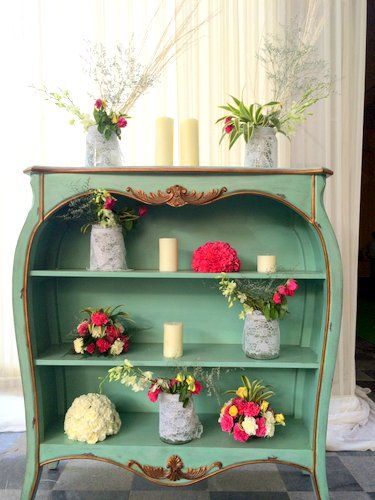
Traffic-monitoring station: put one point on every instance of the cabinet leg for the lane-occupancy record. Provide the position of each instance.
(53, 465)
(31, 481)
(320, 485)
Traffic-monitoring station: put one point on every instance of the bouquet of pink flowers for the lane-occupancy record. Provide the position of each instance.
(102, 332)
(215, 257)
(249, 414)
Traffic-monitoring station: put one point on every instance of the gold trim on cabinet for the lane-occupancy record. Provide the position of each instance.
(41, 198)
(176, 196)
(313, 201)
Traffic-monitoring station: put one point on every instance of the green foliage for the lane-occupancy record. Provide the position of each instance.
(256, 391)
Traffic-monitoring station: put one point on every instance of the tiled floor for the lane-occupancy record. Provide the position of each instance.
(351, 475)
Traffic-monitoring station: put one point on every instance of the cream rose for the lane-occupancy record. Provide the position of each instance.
(250, 426)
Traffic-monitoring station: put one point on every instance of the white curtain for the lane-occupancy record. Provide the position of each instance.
(50, 39)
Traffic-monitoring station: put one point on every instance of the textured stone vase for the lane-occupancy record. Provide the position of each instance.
(261, 150)
(107, 249)
(261, 338)
(101, 152)
(177, 425)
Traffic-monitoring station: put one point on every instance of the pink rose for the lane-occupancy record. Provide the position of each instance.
(291, 287)
(90, 348)
(228, 129)
(239, 434)
(198, 387)
(103, 345)
(261, 430)
(98, 103)
(109, 203)
(121, 122)
(226, 423)
(99, 318)
(142, 211)
(282, 290)
(153, 394)
(83, 328)
(277, 298)
(251, 409)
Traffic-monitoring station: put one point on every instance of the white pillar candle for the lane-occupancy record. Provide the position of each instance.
(189, 143)
(164, 142)
(168, 255)
(266, 264)
(173, 340)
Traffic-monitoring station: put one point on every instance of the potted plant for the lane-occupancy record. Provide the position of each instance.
(248, 414)
(178, 422)
(263, 304)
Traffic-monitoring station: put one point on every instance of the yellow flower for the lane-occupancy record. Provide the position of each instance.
(280, 419)
(264, 406)
(180, 377)
(104, 104)
(114, 118)
(242, 392)
(233, 411)
(191, 383)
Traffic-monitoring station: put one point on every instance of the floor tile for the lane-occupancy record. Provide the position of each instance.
(90, 495)
(10, 494)
(339, 478)
(169, 495)
(8, 439)
(12, 472)
(349, 495)
(295, 479)
(362, 468)
(302, 495)
(254, 495)
(261, 477)
(140, 484)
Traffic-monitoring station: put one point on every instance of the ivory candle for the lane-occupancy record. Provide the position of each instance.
(168, 254)
(266, 264)
(164, 142)
(189, 142)
(173, 340)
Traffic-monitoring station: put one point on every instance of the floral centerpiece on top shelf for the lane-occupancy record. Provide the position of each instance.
(102, 332)
(249, 414)
(178, 422)
(263, 303)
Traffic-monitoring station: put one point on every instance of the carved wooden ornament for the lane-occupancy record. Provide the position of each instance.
(176, 196)
(173, 471)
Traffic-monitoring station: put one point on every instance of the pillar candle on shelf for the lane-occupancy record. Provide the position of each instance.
(189, 143)
(266, 264)
(168, 254)
(172, 340)
(164, 142)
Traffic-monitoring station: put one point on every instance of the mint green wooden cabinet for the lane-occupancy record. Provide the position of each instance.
(275, 211)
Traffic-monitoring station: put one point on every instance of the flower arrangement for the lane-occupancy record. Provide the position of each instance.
(104, 213)
(91, 418)
(108, 122)
(263, 296)
(102, 332)
(215, 257)
(183, 384)
(249, 414)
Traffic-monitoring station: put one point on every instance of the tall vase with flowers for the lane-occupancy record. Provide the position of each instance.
(178, 422)
(263, 304)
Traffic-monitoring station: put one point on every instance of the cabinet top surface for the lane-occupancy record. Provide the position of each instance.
(177, 170)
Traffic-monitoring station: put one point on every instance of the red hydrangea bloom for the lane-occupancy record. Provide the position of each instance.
(226, 423)
(251, 409)
(109, 203)
(103, 345)
(262, 429)
(99, 318)
(112, 333)
(83, 328)
(215, 257)
(239, 434)
(90, 348)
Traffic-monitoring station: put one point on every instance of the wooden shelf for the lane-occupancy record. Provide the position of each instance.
(153, 274)
(139, 435)
(205, 355)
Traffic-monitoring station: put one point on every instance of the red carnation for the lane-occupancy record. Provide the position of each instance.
(228, 129)
(125, 340)
(99, 318)
(112, 333)
(83, 328)
(277, 298)
(215, 257)
(98, 103)
(198, 387)
(142, 211)
(153, 394)
(103, 345)
(227, 120)
(109, 203)
(90, 348)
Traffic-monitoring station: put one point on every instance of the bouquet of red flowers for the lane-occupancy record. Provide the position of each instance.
(102, 332)
(249, 414)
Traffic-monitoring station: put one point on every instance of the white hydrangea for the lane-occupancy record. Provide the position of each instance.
(91, 418)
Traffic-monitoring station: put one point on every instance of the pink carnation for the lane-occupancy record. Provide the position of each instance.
(215, 257)
(112, 333)
(239, 434)
(125, 340)
(226, 423)
(198, 387)
(83, 328)
(121, 122)
(240, 403)
(291, 287)
(262, 429)
(282, 290)
(109, 203)
(99, 318)
(98, 103)
(153, 394)
(277, 298)
(90, 348)
(251, 409)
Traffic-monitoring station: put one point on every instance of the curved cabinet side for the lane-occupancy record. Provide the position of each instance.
(24, 348)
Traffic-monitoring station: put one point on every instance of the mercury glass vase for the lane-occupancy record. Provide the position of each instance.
(261, 338)
(107, 249)
(177, 425)
(102, 152)
(261, 150)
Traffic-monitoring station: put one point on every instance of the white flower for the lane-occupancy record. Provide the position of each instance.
(97, 332)
(128, 364)
(78, 345)
(148, 375)
(116, 347)
(91, 418)
(241, 297)
(270, 423)
(250, 426)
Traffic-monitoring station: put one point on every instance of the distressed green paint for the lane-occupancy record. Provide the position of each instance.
(59, 286)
